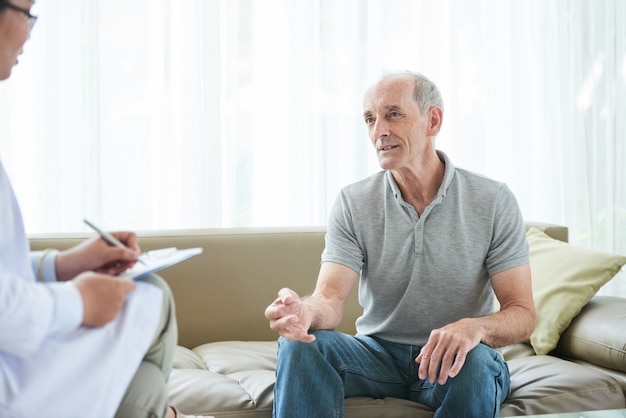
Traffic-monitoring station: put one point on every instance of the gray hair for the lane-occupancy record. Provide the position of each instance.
(427, 94)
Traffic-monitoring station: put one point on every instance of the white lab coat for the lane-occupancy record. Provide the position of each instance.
(83, 373)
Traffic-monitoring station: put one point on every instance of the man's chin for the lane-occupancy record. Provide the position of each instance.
(385, 163)
(6, 72)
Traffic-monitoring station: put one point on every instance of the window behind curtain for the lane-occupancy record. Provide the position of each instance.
(209, 113)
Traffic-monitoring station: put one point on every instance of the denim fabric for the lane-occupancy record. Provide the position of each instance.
(312, 379)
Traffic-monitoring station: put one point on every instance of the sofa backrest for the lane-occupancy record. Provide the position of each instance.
(222, 293)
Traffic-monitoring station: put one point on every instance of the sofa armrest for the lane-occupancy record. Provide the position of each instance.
(597, 334)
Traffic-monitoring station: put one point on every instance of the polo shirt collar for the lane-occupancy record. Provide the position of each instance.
(447, 179)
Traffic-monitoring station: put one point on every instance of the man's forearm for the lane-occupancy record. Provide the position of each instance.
(325, 313)
(509, 326)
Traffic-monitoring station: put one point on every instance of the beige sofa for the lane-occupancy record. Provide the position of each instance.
(225, 363)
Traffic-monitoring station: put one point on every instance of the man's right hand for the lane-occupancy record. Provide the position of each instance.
(289, 317)
(103, 296)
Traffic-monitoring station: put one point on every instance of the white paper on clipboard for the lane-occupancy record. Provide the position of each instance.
(156, 260)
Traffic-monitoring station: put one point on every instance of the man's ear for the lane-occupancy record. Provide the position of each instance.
(435, 119)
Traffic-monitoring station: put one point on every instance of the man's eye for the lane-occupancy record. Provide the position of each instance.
(369, 120)
(394, 114)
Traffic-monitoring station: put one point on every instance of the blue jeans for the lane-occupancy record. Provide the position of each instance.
(312, 379)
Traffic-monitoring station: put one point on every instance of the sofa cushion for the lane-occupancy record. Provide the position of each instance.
(236, 379)
(224, 376)
(544, 384)
(565, 278)
(592, 336)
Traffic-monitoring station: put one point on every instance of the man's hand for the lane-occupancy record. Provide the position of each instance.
(103, 297)
(444, 353)
(96, 254)
(289, 317)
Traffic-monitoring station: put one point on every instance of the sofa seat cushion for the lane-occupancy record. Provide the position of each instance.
(236, 379)
(224, 376)
(545, 384)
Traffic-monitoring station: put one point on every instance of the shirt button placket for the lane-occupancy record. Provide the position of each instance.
(419, 237)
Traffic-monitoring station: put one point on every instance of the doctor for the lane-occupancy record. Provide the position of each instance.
(75, 341)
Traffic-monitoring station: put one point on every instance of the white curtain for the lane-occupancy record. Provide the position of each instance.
(228, 113)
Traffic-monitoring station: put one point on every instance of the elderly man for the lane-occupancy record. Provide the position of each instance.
(430, 245)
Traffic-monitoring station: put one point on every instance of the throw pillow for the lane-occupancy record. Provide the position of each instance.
(565, 278)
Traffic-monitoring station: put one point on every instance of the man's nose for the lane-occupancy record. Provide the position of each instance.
(380, 128)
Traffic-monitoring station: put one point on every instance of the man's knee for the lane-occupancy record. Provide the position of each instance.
(296, 347)
(484, 371)
(479, 388)
(483, 362)
(326, 346)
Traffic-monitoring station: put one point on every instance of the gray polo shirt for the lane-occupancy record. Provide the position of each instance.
(420, 273)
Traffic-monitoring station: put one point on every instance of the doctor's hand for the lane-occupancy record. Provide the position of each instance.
(103, 296)
(444, 353)
(96, 254)
(289, 317)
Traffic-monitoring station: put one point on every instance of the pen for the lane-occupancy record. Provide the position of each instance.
(107, 237)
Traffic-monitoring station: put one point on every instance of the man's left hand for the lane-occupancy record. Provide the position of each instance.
(444, 353)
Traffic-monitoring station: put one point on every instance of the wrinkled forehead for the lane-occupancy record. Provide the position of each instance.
(389, 92)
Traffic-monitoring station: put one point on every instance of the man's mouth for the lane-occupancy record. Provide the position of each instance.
(387, 147)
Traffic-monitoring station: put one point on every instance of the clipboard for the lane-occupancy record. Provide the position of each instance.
(156, 260)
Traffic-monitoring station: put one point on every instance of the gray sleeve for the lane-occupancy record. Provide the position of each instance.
(509, 247)
(342, 245)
